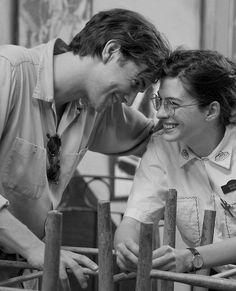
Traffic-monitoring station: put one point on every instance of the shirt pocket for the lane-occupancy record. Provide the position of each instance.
(230, 220)
(229, 216)
(25, 170)
(188, 221)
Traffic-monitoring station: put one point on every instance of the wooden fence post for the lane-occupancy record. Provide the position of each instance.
(143, 281)
(169, 230)
(105, 246)
(52, 251)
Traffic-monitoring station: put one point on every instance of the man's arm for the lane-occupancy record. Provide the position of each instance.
(16, 237)
(121, 130)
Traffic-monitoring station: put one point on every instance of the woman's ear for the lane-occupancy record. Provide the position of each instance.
(111, 47)
(213, 111)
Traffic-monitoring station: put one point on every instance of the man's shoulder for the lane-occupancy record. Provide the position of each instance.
(17, 54)
(13, 53)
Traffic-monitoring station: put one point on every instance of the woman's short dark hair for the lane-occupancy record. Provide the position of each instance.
(138, 38)
(207, 76)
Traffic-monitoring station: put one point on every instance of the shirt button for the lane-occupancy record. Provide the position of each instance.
(185, 154)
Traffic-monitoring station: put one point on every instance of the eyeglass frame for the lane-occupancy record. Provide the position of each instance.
(168, 102)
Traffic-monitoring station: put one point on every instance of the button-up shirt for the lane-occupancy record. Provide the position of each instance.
(201, 184)
(27, 114)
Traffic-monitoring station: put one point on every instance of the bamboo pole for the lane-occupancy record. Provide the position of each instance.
(206, 238)
(196, 280)
(23, 278)
(52, 251)
(105, 258)
(16, 264)
(12, 289)
(169, 230)
(82, 250)
(186, 278)
(143, 282)
(225, 274)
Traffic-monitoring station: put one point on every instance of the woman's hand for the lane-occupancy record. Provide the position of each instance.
(127, 255)
(167, 258)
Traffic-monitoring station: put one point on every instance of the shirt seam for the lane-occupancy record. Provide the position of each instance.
(20, 63)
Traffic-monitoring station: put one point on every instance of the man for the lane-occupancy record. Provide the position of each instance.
(58, 101)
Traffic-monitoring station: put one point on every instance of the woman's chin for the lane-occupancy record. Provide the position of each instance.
(170, 135)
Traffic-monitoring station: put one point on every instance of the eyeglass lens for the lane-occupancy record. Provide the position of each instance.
(157, 102)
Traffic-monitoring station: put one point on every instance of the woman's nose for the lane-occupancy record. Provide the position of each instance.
(161, 112)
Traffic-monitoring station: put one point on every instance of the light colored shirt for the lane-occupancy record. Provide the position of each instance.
(27, 114)
(198, 182)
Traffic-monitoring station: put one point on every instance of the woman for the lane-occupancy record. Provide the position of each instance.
(194, 153)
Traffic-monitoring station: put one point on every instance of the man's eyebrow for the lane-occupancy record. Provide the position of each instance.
(143, 83)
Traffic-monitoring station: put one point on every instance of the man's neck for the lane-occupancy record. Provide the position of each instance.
(69, 78)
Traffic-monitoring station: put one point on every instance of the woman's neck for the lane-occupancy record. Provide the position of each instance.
(204, 145)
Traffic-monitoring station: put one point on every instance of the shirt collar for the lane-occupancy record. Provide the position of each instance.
(185, 155)
(44, 89)
(221, 155)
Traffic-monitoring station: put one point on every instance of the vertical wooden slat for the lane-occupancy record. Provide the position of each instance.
(208, 227)
(206, 238)
(169, 230)
(143, 282)
(52, 251)
(105, 245)
(156, 242)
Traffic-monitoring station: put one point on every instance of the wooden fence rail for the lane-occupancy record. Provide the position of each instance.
(105, 252)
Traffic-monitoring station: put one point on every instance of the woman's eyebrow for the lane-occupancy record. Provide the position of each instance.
(169, 97)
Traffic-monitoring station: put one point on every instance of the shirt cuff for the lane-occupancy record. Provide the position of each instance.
(139, 215)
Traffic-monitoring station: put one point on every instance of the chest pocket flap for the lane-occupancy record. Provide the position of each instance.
(25, 170)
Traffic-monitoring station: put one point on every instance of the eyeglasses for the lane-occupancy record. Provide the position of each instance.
(169, 105)
(53, 152)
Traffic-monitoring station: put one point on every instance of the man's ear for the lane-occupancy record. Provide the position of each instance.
(213, 111)
(111, 47)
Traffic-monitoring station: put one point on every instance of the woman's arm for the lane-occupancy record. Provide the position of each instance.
(126, 243)
(169, 259)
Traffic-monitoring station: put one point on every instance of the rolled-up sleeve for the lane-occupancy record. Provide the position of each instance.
(149, 190)
(122, 130)
(3, 202)
(7, 85)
